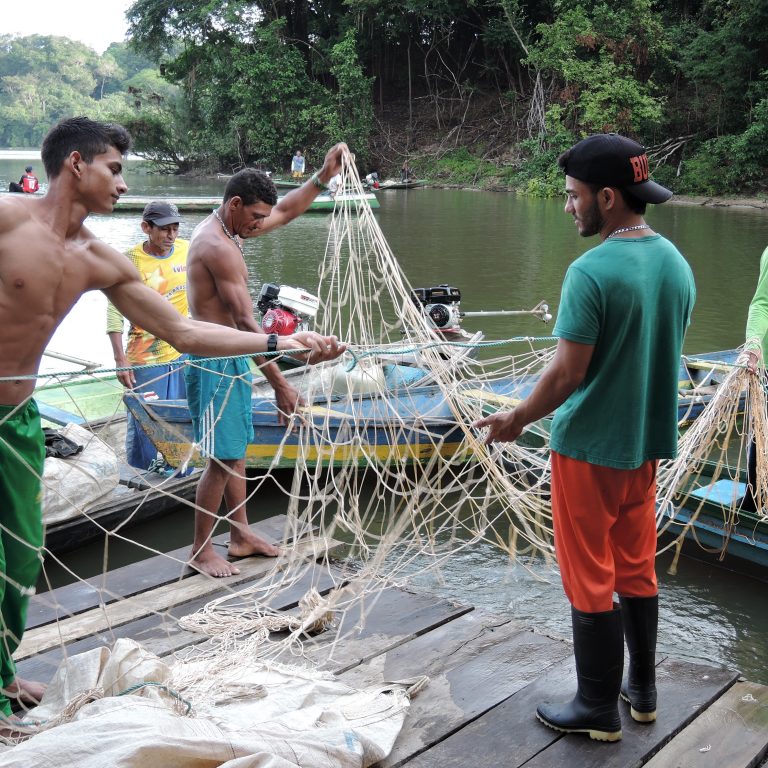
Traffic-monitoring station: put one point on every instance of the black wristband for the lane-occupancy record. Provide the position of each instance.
(272, 342)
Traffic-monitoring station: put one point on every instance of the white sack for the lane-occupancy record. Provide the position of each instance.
(74, 485)
(312, 721)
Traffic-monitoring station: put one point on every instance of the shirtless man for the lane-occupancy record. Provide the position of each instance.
(219, 392)
(47, 260)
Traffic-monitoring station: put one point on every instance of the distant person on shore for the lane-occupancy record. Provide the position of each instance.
(219, 392)
(297, 165)
(48, 259)
(334, 185)
(753, 357)
(405, 172)
(612, 386)
(161, 261)
(29, 182)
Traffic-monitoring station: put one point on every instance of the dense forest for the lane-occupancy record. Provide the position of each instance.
(483, 92)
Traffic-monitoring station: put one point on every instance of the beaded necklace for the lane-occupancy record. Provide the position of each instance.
(626, 229)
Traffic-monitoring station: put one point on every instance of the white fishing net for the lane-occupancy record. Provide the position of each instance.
(381, 465)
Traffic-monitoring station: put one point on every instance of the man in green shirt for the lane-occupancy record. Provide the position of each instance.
(624, 308)
(753, 357)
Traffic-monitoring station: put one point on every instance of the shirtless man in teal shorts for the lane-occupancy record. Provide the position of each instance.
(47, 260)
(219, 392)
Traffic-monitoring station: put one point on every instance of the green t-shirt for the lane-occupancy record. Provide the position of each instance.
(632, 299)
(757, 319)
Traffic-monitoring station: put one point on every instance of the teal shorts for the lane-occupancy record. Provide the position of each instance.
(219, 398)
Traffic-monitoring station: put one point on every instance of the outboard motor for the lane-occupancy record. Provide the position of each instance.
(441, 305)
(286, 310)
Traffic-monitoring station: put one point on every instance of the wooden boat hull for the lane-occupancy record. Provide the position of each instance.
(741, 544)
(419, 417)
(415, 429)
(96, 404)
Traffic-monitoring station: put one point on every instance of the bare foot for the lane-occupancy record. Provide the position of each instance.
(209, 562)
(246, 544)
(27, 693)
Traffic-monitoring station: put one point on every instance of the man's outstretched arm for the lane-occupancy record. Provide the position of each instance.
(298, 200)
(146, 308)
(558, 380)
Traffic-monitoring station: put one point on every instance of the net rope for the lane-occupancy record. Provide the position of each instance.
(386, 465)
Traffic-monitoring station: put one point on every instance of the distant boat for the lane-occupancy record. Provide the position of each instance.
(276, 180)
(322, 203)
(286, 183)
(394, 184)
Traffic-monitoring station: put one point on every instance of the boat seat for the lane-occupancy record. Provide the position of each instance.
(725, 492)
(58, 415)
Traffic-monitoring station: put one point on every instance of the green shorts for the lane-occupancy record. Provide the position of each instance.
(22, 456)
(219, 399)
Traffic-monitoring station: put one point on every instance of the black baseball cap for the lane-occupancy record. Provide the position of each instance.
(28, 168)
(612, 160)
(160, 213)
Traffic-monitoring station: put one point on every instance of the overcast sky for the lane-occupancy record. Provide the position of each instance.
(96, 23)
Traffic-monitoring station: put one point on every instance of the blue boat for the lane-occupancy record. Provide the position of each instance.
(413, 424)
(717, 529)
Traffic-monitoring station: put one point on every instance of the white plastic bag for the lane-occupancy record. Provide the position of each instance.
(72, 486)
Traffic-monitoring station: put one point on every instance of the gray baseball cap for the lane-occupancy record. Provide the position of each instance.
(161, 213)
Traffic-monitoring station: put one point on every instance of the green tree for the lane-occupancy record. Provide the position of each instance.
(353, 118)
(601, 61)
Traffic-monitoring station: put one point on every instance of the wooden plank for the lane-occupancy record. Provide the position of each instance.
(128, 580)
(385, 619)
(685, 690)
(473, 663)
(160, 633)
(508, 734)
(101, 618)
(708, 365)
(492, 398)
(733, 732)
(58, 415)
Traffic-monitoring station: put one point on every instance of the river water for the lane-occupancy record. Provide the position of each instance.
(502, 252)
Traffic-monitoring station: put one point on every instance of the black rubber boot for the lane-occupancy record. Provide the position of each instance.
(641, 621)
(748, 503)
(598, 646)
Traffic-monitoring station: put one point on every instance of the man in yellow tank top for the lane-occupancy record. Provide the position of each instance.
(162, 263)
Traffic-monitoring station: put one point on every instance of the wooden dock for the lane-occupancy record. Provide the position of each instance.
(486, 672)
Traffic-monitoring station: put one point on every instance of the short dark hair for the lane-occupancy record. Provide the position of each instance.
(635, 204)
(88, 137)
(251, 186)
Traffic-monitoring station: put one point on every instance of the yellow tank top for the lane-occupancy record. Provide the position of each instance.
(168, 276)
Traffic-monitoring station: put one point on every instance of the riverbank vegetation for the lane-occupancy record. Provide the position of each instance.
(474, 92)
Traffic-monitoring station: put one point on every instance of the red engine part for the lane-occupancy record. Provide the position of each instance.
(279, 321)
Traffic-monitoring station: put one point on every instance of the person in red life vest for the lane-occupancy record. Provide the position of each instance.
(29, 182)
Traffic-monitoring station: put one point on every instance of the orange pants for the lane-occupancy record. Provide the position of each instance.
(605, 531)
